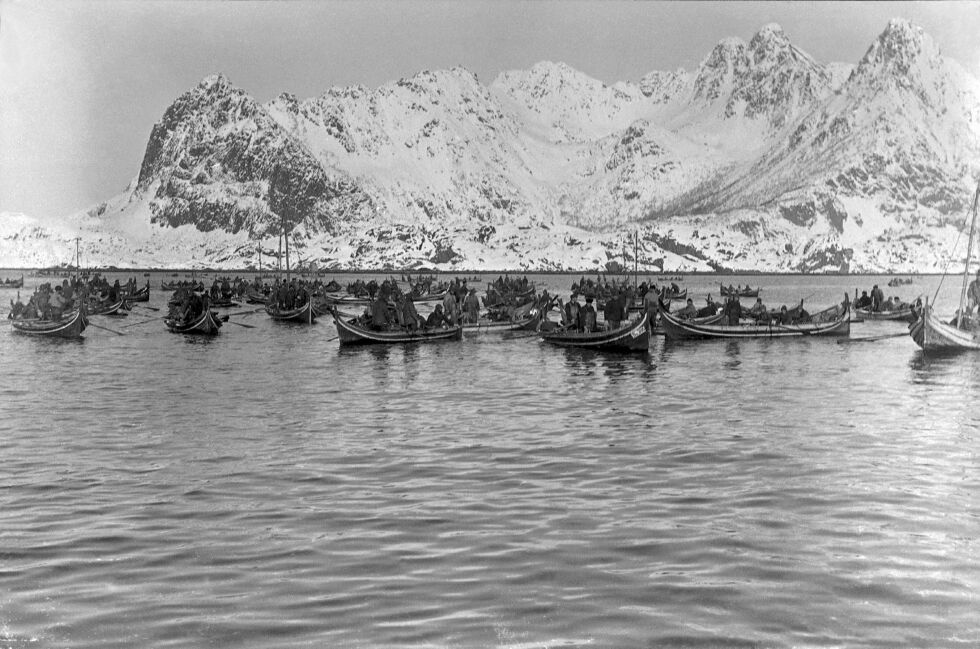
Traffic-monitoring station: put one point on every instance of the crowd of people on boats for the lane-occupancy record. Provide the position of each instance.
(878, 303)
(48, 302)
(187, 305)
(393, 309)
(734, 312)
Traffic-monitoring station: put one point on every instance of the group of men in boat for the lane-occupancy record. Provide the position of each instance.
(53, 302)
(877, 302)
(187, 305)
(394, 310)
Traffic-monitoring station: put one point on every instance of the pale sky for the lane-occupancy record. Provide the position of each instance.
(83, 82)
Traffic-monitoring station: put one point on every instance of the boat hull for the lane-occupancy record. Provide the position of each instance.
(677, 329)
(754, 292)
(932, 334)
(70, 327)
(205, 324)
(107, 309)
(305, 314)
(634, 337)
(351, 334)
(525, 324)
(898, 315)
(141, 295)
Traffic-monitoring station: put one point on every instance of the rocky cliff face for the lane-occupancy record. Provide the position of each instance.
(761, 158)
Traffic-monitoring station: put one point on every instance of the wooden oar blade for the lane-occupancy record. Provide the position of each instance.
(118, 333)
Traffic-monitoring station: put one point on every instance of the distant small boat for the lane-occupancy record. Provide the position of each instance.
(740, 292)
(70, 326)
(12, 283)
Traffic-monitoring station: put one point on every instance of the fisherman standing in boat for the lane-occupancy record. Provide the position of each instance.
(471, 306)
(571, 313)
(733, 309)
(877, 298)
(613, 311)
(587, 316)
(973, 292)
(450, 307)
(758, 310)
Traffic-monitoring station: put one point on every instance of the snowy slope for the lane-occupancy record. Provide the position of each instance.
(761, 158)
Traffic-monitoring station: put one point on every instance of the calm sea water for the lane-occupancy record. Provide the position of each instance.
(267, 488)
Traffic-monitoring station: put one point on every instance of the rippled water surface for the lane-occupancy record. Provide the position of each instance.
(267, 488)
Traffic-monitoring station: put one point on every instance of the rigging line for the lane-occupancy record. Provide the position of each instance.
(949, 260)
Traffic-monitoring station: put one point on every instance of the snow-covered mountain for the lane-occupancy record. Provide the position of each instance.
(762, 158)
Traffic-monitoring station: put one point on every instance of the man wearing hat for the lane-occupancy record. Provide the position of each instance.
(587, 315)
(471, 306)
(571, 314)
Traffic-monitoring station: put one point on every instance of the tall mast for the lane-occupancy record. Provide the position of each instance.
(286, 237)
(78, 260)
(636, 257)
(969, 257)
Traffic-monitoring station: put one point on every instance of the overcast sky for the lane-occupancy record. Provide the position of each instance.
(82, 83)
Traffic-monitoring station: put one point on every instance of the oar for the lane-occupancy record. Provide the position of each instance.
(245, 312)
(143, 306)
(841, 341)
(118, 333)
(240, 324)
(143, 322)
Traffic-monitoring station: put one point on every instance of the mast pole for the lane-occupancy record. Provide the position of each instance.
(969, 258)
(286, 237)
(636, 257)
(78, 260)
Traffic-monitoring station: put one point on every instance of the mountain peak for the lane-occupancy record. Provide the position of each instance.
(899, 47)
(216, 82)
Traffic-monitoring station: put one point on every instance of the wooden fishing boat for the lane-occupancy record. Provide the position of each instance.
(346, 300)
(528, 323)
(173, 286)
(205, 323)
(12, 283)
(254, 297)
(933, 334)
(834, 321)
(304, 314)
(438, 296)
(70, 326)
(632, 337)
(657, 328)
(741, 292)
(350, 333)
(898, 315)
(223, 302)
(678, 295)
(108, 308)
(139, 295)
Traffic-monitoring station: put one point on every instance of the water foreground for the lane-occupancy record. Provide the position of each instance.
(267, 488)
